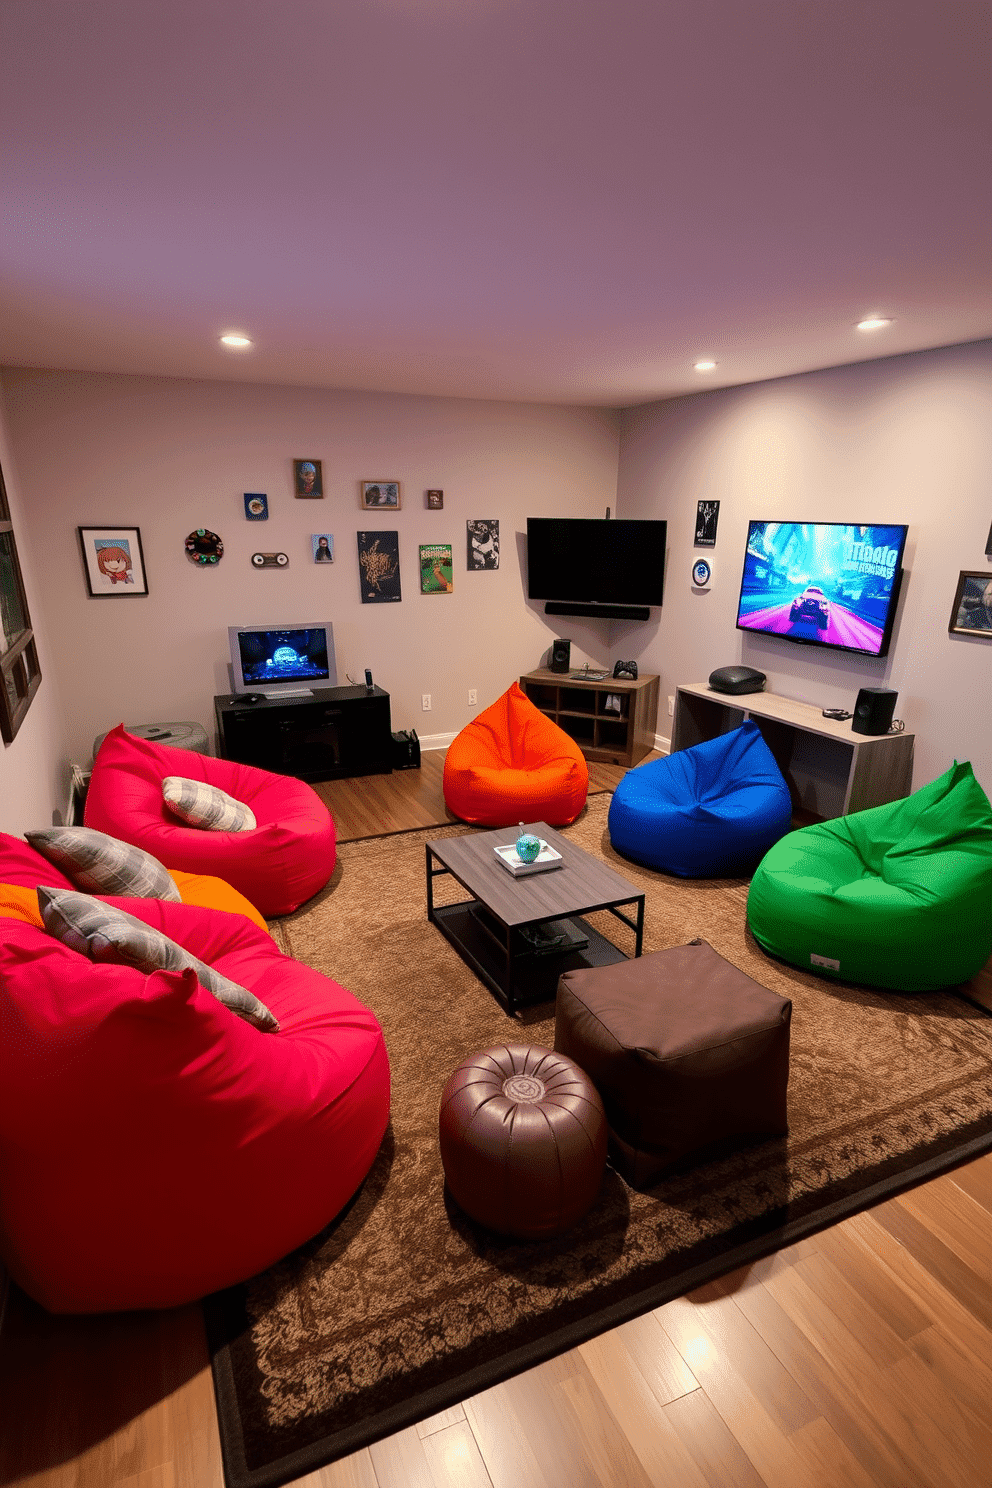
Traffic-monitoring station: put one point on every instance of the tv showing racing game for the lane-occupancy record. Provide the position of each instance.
(829, 584)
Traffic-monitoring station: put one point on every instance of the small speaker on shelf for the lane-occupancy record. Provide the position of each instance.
(561, 653)
(873, 711)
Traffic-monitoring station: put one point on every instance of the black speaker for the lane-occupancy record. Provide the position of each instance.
(873, 711)
(561, 652)
(406, 750)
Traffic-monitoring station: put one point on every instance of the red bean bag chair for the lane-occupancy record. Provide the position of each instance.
(23, 868)
(155, 1147)
(511, 764)
(284, 860)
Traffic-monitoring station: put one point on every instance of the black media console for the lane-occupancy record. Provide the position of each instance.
(333, 732)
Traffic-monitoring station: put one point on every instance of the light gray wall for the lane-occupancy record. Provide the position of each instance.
(903, 439)
(169, 456)
(34, 773)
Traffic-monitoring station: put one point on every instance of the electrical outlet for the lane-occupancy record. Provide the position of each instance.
(425, 702)
(671, 707)
(473, 697)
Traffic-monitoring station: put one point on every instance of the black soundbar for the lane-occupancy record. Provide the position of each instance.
(603, 611)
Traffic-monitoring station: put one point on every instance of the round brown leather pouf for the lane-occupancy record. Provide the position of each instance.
(523, 1140)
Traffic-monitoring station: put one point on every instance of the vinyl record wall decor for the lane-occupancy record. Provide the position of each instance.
(204, 548)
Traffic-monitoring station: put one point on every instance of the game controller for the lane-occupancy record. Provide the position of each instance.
(626, 669)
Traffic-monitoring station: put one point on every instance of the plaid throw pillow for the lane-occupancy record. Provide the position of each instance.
(103, 933)
(103, 865)
(203, 805)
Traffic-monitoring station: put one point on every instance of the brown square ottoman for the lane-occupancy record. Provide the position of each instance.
(687, 1052)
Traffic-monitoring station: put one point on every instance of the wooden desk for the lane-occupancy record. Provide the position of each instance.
(830, 770)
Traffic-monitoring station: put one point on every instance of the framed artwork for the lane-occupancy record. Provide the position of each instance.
(381, 493)
(323, 547)
(436, 568)
(707, 516)
(113, 562)
(379, 567)
(308, 480)
(435, 500)
(483, 542)
(20, 672)
(971, 613)
(256, 506)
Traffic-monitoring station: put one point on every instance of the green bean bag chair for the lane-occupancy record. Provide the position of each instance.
(899, 896)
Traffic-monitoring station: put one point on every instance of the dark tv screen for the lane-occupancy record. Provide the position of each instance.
(595, 561)
(829, 584)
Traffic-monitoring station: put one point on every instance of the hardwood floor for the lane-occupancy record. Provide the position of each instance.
(860, 1358)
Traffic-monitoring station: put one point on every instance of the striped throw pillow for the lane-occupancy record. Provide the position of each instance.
(203, 805)
(103, 865)
(103, 933)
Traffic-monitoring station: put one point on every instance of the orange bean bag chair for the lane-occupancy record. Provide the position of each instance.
(513, 764)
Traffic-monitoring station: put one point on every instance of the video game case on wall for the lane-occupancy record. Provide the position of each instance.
(436, 574)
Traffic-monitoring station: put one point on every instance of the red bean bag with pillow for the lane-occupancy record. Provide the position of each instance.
(154, 1147)
(284, 860)
(512, 763)
(23, 866)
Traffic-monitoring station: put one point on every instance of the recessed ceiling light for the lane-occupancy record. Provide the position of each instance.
(874, 322)
(703, 366)
(236, 341)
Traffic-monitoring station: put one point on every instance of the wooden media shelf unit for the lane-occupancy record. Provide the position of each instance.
(621, 734)
(830, 770)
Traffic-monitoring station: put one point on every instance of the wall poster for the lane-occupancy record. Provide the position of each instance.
(379, 567)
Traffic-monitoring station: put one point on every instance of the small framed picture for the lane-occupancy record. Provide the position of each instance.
(380, 494)
(435, 500)
(972, 610)
(707, 516)
(308, 481)
(256, 506)
(113, 561)
(323, 547)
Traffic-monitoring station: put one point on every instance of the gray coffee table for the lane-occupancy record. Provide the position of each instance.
(490, 931)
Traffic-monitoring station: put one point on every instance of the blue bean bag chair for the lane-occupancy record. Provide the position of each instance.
(711, 811)
(899, 896)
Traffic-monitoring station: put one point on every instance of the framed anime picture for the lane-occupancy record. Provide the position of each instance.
(971, 613)
(377, 494)
(113, 562)
(308, 480)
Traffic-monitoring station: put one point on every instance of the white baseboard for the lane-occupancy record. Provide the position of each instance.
(441, 741)
(436, 741)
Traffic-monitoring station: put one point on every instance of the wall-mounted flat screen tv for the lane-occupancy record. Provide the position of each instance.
(283, 660)
(823, 583)
(596, 561)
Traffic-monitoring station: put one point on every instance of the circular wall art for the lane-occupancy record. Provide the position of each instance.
(204, 547)
(701, 574)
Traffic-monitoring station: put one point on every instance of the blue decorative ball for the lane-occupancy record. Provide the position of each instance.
(528, 847)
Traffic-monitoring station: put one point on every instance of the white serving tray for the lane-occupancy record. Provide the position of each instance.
(546, 858)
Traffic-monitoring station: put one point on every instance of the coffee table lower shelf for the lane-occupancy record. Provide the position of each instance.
(518, 979)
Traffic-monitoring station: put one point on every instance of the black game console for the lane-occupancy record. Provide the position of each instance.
(626, 669)
(737, 679)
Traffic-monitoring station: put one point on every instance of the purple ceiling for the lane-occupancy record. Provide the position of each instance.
(561, 200)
